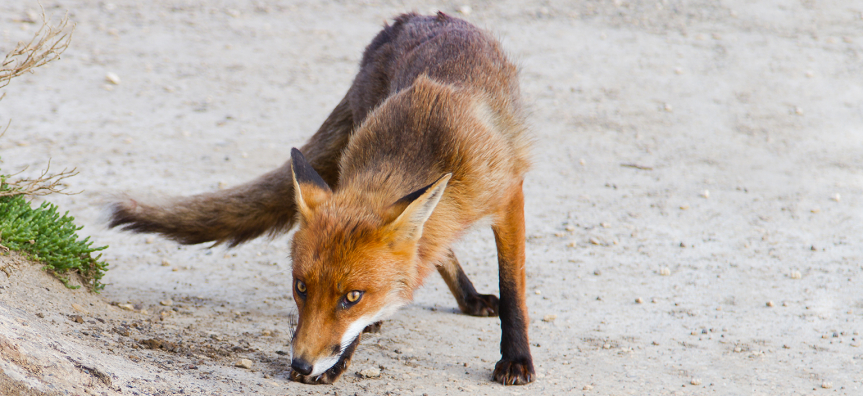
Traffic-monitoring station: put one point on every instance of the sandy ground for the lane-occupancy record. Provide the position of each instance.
(742, 121)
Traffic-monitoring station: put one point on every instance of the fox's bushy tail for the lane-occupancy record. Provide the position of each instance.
(236, 215)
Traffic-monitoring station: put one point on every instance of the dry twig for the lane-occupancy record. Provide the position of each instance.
(636, 166)
(45, 46)
(43, 185)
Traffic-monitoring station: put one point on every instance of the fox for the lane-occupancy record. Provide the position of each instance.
(430, 139)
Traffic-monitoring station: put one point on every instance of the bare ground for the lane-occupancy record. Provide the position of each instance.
(697, 156)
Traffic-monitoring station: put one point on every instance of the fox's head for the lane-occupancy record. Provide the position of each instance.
(352, 266)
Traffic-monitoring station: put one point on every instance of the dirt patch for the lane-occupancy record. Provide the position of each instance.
(55, 338)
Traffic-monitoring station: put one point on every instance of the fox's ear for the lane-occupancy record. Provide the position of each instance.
(310, 189)
(417, 207)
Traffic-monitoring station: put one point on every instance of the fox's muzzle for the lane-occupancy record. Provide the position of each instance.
(301, 366)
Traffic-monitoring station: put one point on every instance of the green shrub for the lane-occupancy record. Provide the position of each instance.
(45, 236)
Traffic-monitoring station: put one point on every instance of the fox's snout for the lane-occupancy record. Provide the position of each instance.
(301, 366)
(313, 353)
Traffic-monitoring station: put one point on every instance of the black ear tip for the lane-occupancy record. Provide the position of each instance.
(296, 154)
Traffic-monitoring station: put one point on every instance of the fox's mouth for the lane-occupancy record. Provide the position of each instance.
(333, 373)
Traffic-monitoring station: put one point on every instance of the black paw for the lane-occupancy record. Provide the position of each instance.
(510, 372)
(374, 327)
(481, 305)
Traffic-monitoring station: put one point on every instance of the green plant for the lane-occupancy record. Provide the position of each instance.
(47, 237)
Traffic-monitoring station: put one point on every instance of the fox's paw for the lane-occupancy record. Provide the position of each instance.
(374, 327)
(510, 372)
(481, 305)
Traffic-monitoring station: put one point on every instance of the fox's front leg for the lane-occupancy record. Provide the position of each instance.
(516, 364)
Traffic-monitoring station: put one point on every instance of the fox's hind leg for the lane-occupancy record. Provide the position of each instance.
(236, 215)
(516, 364)
(469, 301)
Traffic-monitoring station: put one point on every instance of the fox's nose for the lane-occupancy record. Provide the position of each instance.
(301, 366)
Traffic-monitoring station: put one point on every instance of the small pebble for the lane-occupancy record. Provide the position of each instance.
(465, 10)
(695, 381)
(244, 363)
(594, 241)
(373, 372)
(166, 263)
(266, 333)
(664, 271)
(835, 334)
(668, 107)
(785, 303)
(112, 78)
(587, 387)
(639, 300)
(836, 197)
(826, 385)
(796, 275)
(128, 307)
(549, 318)
(705, 194)
(166, 303)
(150, 240)
(654, 300)
(738, 349)
(537, 292)
(770, 304)
(604, 225)
(78, 308)
(570, 228)
(678, 70)
(597, 272)
(810, 74)
(606, 346)
(684, 207)
(798, 110)
(815, 210)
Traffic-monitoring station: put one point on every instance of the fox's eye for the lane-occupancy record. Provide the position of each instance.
(354, 296)
(301, 288)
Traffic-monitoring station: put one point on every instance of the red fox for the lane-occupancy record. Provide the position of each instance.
(429, 139)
